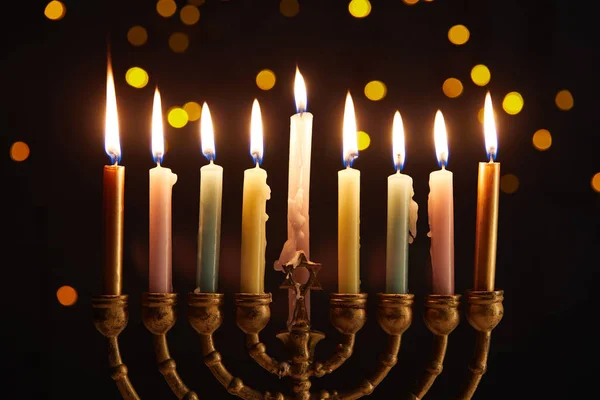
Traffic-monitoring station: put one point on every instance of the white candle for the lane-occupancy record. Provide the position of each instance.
(161, 184)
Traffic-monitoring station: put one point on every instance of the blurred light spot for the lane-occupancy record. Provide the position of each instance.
(480, 74)
(458, 34)
(480, 115)
(410, 2)
(375, 90)
(66, 295)
(19, 151)
(513, 103)
(55, 10)
(509, 183)
(359, 8)
(166, 8)
(137, 35)
(452, 87)
(289, 8)
(564, 100)
(179, 42)
(364, 140)
(596, 182)
(265, 79)
(193, 110)
(177, 117)
(196, 2)
(189, 15)
(136, 77)
(542, 139)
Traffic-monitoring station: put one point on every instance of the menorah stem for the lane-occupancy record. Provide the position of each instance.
(433, 369)
(168, 368)
(119, 370)
(343, 353)
(258, 351)
(478, 364)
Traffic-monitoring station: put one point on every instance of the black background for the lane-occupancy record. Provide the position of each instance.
(53, 98)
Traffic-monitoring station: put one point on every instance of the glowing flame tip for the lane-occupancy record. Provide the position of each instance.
(112, 144)
(441, 139)
(207, 133)
(158, 139)
(256, 133)
(350, 133)
(300, 92)
(489, 128)
(398, 142)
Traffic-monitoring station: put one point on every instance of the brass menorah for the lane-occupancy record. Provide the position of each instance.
(347, 314)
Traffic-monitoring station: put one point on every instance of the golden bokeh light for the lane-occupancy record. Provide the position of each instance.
(596, 182)
(19, 151)
(55, 10)
(509, 183)
(136, 77)
(513, 103)
(564, 100)
(458, 35)
(375, 90)
(177, 117)
(265, 79)
(193, 110)
(452, 87)
(189, 14)
(481, 75)
(542, 139)
(363, 139)
(166, 8)
(359, 8)
(410, 2)
(66, 295)
(137, 35)
(289, 8)
(179, 42)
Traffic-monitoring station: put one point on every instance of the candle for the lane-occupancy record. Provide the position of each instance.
(298, 232)
(254, 212)
(349, 208)
(112, 197)
(486, 228)
(209, 225)
(441, 215)
(161, 184)
(401, 216)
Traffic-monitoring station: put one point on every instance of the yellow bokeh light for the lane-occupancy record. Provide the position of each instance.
(179, 42)
(564, 100)
(289, 8)
(364, 140)
(265, 79)
(509, 183)
(55, 10)
(410, 2)
(166, 8)
(458, 34)
(136, 77)
(596, 182)
(193, 110)
(480, 74)
(359, 8)
(137, 35)
(19, 151)
(66, 295)
(513, 103)
(375, 90)
(452, 87)
(542, 139)
(189, 14)
(177, 117)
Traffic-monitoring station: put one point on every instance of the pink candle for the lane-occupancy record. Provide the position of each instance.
(441, 215)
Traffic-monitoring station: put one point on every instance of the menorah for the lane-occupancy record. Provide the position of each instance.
(347, 314)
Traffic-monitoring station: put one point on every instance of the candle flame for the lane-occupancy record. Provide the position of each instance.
(300, 92)
(489, 128)
(256, 133)
(441, 139)
(112, 144)
(158, 139)
(398, 143)
(350, 133)
(207, 133)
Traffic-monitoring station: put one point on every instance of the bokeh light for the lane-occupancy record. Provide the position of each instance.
(452, 87)
(177, 117)
(66, 295)
(513, 103)
(136, 77)
(509, 183)
(410, 2)
(179, 42)
(166, 8)
(193, 110)
(189, 14)
(55, 10)
(542, 139)
(375, 90)
(265, 79)
(289, 8)
(564, 100)
(458, 34)
(596, 182)
(359, 8)
(480, 74)
(364, 140)
(137, 35)
(19, 151)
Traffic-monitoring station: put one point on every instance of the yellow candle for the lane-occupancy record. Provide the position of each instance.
(254, 213)
(349, 208)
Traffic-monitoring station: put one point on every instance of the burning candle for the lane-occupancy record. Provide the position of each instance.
(113, 193)
(209, 225)
(349, 208)
(161, 184)
(401, 216)
(488, 185)
(441, 215)
(254, 212)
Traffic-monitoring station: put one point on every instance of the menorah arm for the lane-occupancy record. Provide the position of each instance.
(258, 351)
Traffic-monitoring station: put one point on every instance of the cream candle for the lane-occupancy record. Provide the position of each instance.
(441, 215)
(161, 183)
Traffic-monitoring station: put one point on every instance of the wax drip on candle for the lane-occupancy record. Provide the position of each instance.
(297, 221)
(412, 218)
